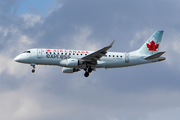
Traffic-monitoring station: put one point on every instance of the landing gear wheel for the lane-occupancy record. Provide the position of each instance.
(33, 70)
(89, 70)
(86, 74)
(33, 65)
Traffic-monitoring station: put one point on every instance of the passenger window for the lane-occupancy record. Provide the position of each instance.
(105, 55)
(117, 56)
(77, 54)
(69, 53)
(121, 56)
(46, 52)
(54, 53)
(109, 55)
(58, 53)
(73, 53)
(65, 53)
(50, 52)
(113, 55)
(61, 53)
(81, 54)
(85, 54)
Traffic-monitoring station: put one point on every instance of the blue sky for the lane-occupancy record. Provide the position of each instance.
(41, 7)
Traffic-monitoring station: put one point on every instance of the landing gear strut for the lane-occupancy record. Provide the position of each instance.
(88, 70)
(33, 70)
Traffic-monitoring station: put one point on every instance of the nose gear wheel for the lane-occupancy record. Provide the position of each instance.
(33, 65)
(33, 70)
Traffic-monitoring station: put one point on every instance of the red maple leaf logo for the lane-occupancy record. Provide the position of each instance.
(152, 46)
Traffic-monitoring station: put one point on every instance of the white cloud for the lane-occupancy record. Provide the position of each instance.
(58, 6)
(25, 40)
(14, 46)
(175, 45)
(31, 102)
(19, 105)
(11, 67)
(165, 114)
(171, 44)
(30, 20)
(140, 38)
(4, 31)
(82, 42)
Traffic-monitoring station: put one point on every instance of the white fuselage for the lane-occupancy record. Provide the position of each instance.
(55, 56)
(74, 60)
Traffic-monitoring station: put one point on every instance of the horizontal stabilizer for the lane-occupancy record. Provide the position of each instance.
(156, 55)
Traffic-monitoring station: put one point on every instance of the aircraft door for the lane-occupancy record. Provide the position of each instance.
(126, 57)
(39, 53)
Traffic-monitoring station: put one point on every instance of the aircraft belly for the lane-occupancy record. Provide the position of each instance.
(110, 64)
(122, 63)
(47, 61)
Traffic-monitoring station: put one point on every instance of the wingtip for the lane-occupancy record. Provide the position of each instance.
(112, 43)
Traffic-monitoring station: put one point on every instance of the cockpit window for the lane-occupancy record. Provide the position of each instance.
(27, 52)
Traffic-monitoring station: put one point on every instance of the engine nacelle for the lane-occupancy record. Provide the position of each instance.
(72, 62)
(69, 63)
(101, 64)
(69, 70)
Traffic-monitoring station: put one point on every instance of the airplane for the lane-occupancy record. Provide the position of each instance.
(75, 60)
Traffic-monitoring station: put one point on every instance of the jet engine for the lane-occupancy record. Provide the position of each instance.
(69, 70)
(70, 63)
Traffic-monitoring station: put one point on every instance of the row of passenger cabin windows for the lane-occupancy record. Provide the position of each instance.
(84, 54)
(113, 56)
(66, 53)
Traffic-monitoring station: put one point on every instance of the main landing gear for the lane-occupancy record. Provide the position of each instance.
(86, 74)
(33, 70)
(88, 70)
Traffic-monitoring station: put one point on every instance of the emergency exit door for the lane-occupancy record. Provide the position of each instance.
(126, 57)
(39, 53)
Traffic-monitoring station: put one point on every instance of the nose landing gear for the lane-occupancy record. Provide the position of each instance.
(33, 65)
(33, 70)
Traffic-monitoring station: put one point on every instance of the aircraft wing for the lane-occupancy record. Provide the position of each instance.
(97, 54)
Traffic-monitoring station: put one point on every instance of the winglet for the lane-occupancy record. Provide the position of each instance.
(112, 43)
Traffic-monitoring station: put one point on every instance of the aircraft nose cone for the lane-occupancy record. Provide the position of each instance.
(17, 59)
